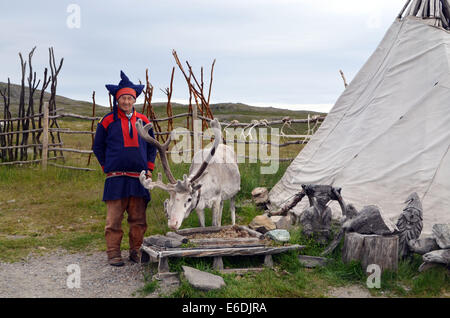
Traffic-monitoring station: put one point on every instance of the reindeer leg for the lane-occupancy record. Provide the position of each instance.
(233, 210)
(216, 213)
(201, 216)
(220, 212)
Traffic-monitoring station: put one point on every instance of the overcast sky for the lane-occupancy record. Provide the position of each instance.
(282, 53)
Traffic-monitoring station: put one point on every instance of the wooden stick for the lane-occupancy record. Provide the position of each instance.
(45, 137)
(92, 126)
(70, 167)
(343, 78)
(19, 132)
(268, 123)
(28, 161)
(251, 232)
(70, 150)
(74, 116)
(28, 146)
(403, 10)
(172, 117)
(67, 131)
(27, 117)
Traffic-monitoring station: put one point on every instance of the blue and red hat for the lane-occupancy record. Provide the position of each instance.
(125, 87)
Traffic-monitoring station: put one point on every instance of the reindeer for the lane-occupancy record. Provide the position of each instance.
(213, 178)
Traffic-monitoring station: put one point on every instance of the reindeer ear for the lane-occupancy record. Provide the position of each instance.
(196, 187)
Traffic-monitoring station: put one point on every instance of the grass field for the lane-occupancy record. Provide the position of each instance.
(44, 211)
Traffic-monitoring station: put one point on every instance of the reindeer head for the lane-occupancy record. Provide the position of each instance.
(184, 194)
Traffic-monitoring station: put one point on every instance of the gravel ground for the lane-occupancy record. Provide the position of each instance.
(47, 276)
(353, 291)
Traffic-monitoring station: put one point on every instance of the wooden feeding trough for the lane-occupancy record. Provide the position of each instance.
(215, 241)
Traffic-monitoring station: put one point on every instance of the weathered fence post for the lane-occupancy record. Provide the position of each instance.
(196, 129)
(45, 137)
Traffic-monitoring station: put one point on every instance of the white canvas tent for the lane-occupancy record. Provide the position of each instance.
(388, 134)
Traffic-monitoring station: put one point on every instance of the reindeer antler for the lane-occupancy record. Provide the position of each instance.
(162, 149)
(149, 184)
(217, 138)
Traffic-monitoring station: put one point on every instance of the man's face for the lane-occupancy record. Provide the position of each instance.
(126, 103)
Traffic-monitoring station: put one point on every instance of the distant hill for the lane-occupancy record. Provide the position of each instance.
(69, 105)
(224, 111)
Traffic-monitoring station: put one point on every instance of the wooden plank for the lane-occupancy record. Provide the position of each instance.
(268, 261)
(200, 230)
(218, 263)
(150, 251)
(163, 265)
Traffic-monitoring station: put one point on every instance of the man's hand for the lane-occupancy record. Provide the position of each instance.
(149, 175)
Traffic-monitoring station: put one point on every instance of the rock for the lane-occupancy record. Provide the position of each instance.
(439, 256)
(441, 233)
(279, 235)
(202, 280)
(162, 241)
(178, 237)
(370, 220)
(312, 261)
(423, 245)
(282, 222)
(260, 195)
(262, 223)
(426, 266)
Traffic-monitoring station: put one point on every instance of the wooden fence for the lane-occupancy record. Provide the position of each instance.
(51, 148)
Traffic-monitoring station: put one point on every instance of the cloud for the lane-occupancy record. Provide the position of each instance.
(284, 51)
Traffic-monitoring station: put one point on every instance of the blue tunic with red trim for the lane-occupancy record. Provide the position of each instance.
(119, 148)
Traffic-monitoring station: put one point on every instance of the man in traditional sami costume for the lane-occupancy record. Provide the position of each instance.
(123, 154)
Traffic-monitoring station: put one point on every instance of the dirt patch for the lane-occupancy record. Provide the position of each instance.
(47, 276)
(232, 232)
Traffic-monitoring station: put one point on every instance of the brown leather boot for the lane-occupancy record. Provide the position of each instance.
(115, 259)
(135, 256)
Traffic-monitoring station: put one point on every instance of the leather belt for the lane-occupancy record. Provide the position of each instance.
(122, 174)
